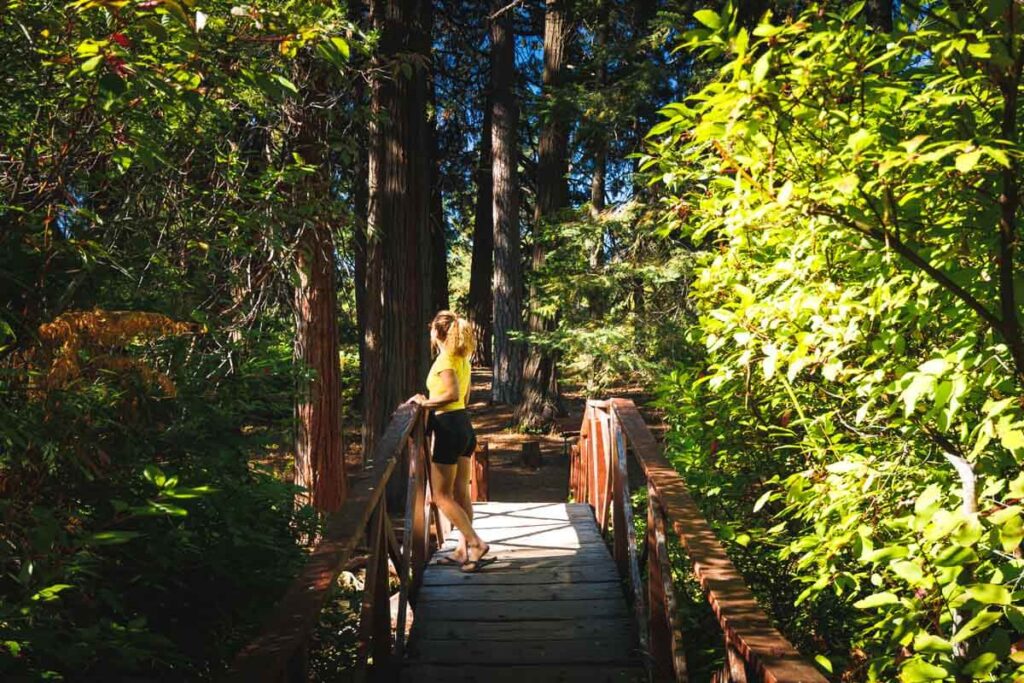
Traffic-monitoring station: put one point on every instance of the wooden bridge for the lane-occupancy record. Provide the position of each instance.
(573, 596)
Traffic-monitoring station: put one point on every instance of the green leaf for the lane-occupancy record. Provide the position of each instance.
(877, 600)
(89, 65)
(51, 593)
(761, 66)
(982, 665)
(1016, 617)
(886, 554)
(989, 593)
(111, 537)
(286, 84)
(928, 643)
(968, 160)
(1011, 436)
(979, 50)
(916, 670)
(709, 18)
(956, 556)
(824, 662)
(847, 184)
(910, 572)
(861, 140)
(765, 497)
(928, 502)
(154, 475)
(980, 622)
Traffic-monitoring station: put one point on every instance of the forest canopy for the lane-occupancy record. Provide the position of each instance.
(225, 227)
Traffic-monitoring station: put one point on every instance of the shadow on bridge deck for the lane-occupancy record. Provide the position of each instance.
(550, 609)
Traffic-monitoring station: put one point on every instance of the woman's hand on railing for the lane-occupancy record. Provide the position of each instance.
(418, 399)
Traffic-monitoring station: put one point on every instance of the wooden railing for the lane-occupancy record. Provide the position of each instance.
(599, 475)
(280, 652)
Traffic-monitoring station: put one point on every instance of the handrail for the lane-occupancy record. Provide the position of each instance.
(599, 476)
(280, 651)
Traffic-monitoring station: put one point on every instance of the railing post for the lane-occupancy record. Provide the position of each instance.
(659, 638)
(599, 467)
(620, 500)
(375, 620)
(608, 465)
(625, 533)
(480, 489)
(416, 529)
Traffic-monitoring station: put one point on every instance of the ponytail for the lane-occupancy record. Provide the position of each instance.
(454, 334)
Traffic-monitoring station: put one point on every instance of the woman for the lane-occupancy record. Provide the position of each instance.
(451, 337)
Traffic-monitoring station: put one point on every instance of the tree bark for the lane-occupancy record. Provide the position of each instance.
(398, 278)
(541, 403)
(319, 457)
(506, 385)
(360, 201)
(481, 301)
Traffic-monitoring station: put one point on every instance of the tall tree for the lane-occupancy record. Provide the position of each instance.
(481, 300)
(319, 457)
(540, 403)
(599, 141)
(437, 224)
(398, 278)
(506, 385)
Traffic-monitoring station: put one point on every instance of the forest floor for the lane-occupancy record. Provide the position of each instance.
(509, 480)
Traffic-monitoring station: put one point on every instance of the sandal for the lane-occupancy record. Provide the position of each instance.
(473, 566)
(447, 561)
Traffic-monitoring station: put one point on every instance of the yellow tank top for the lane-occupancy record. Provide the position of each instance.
(458, 365)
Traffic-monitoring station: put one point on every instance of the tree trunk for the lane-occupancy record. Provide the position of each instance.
(541, 403)
(438, 233)
(599, 147)
(879, 14)
(398, 284)
(360, 201)
(319, 457)
(600, 139)
(319, 460)
(644, 12)
(482, 266)
(506, 386)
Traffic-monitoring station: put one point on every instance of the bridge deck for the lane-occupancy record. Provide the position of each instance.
(551, 608)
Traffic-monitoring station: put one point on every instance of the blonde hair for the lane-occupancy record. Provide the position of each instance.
(454, 334)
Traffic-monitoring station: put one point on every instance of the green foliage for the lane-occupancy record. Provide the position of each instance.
(857, 413)
(621, 296)
(149, 162)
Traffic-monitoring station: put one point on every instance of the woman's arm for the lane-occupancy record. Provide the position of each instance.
(449, 393)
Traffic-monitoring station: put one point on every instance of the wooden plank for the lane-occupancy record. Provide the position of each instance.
(486, 593)
(441, 575)
(612, 649)
(288, 628)
(595, 626)
(742, 619)
(514, 610)
(428, 673)
(554, 556)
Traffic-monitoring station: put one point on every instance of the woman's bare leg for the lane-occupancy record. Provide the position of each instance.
(464, 498)
(442, 481)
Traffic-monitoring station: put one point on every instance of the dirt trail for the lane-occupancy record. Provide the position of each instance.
(509, 480)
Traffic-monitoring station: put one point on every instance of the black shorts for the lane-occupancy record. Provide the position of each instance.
(454, 437)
